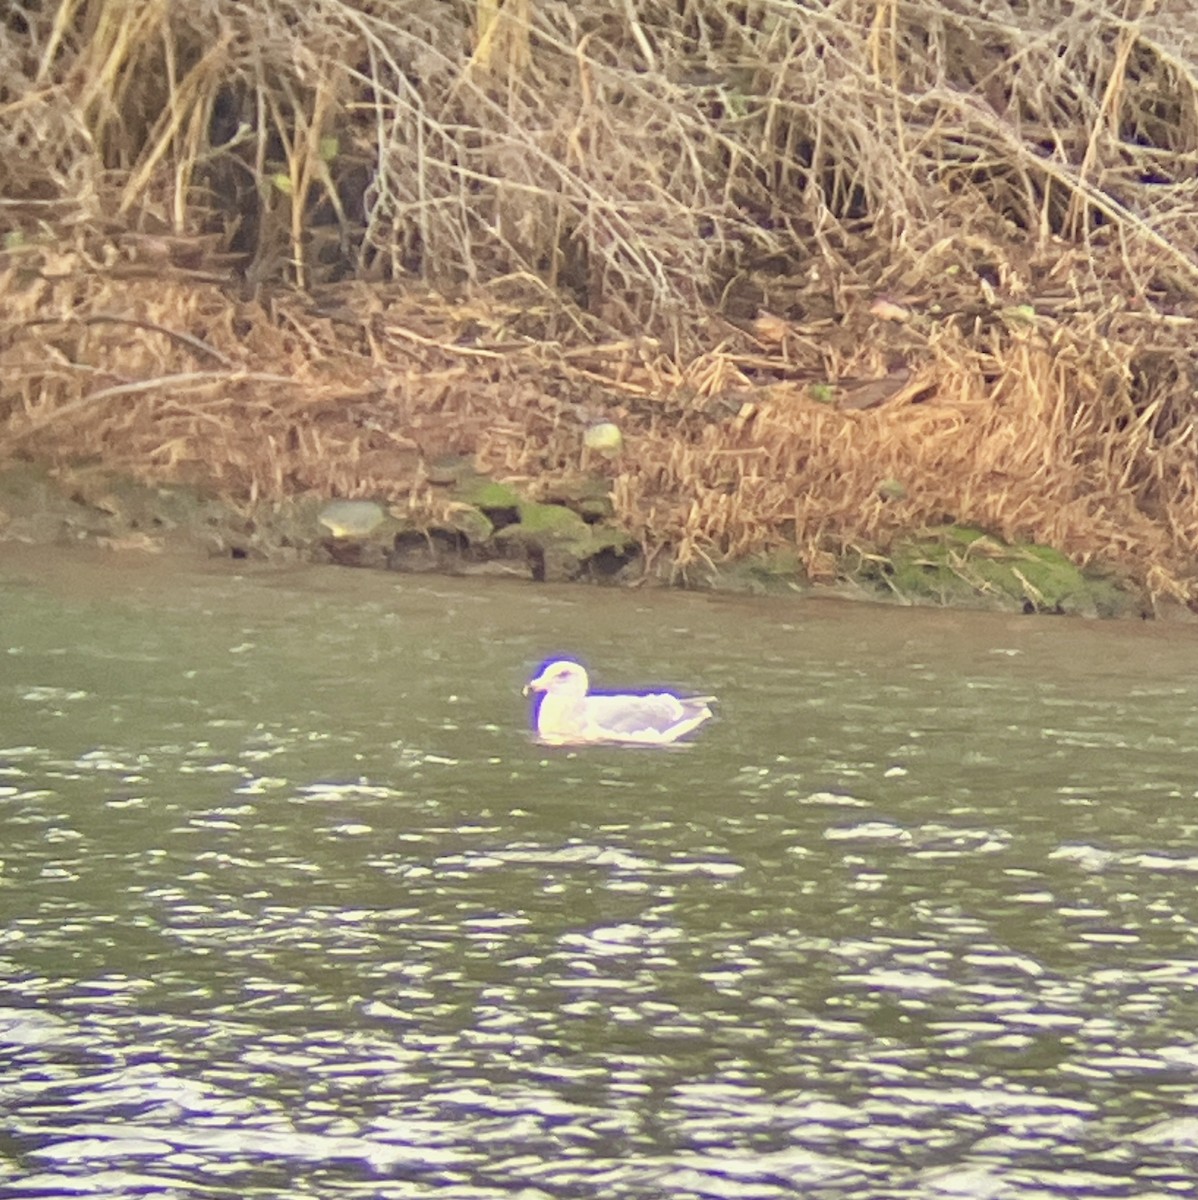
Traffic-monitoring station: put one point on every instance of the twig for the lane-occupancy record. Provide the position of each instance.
(187, 379)
(195, 344)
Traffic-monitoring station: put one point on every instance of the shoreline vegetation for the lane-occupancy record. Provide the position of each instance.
(896, 297)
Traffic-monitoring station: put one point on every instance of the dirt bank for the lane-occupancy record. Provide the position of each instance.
(491, 529)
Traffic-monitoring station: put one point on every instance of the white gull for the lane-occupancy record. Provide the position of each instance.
(568, 715)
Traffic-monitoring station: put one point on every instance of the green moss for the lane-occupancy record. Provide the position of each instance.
(485, 493)
(554, 526)
(550, 521)
(962, 566)
(561, 540)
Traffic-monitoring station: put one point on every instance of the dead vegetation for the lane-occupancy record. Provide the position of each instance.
(837, 268)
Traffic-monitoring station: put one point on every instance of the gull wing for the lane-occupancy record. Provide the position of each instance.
(653, 718)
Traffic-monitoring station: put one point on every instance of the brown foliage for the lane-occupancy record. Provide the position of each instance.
(712, 223)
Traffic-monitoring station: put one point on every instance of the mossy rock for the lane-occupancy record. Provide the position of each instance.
(575, 503)
(961, 566)
(485, 494)
(555, 523)
(560, 544)
(549, 522)
(351, 518)
(472, 523)
(547, 526)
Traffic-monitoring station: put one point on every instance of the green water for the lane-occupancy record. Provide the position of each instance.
(292, 904)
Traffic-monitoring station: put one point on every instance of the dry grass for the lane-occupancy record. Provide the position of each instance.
(231, 230)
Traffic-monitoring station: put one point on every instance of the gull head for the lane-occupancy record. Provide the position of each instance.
(560, 678)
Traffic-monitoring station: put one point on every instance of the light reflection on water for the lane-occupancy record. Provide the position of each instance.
(291, 903)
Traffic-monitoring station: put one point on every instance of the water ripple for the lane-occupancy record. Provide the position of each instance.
(915, 919)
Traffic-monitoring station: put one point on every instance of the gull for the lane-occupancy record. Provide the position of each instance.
(567, 715)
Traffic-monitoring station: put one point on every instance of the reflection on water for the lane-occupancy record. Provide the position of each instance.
(291, 904)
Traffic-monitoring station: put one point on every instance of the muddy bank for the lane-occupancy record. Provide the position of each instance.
(902, 308)
(489, 528)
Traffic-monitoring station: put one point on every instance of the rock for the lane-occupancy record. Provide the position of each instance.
(559, 543)
(351, 518)
(472, 523)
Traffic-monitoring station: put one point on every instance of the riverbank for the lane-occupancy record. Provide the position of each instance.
(738, 298)
(488, 529)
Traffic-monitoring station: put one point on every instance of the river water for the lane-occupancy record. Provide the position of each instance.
(291, 904)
